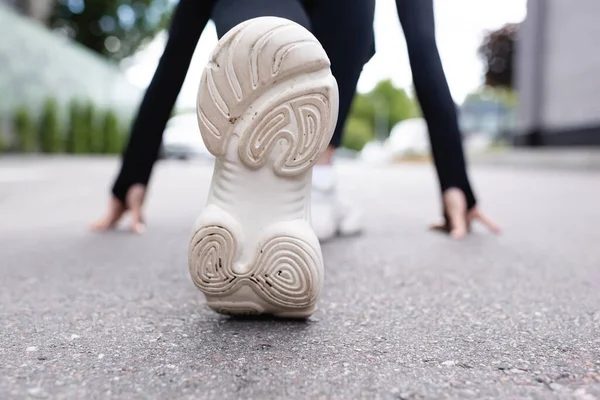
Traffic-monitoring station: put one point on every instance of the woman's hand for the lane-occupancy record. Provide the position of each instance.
(134, 201)
(458, 219)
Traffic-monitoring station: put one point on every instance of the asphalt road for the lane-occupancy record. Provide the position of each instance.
(406, 314)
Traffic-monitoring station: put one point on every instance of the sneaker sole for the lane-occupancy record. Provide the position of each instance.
(267, 106)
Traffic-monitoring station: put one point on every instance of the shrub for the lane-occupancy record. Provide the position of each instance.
(49, 130)
(93, 138)
(80, 139)
(4, 147)
(357, 133)
(24, 130)
(112, 142)
(73, 133)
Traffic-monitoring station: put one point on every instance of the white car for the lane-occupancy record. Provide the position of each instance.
(182, 139)
(409, 137)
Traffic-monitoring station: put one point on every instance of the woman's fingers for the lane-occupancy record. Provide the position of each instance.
(456, 211)
(137, 220)
(135, 201)
(113, 215)
(477, 214)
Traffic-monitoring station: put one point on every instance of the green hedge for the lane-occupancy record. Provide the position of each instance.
(84, 129)
(4, 146)
(50, 138)
(113, 139)
(93, 139)
(24, 127)
(79, 135)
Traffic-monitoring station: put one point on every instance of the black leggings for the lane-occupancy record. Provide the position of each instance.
(439, 110)
(344, 28)
(189, 19)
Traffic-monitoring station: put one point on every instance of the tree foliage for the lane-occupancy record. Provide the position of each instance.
(374, 114)
(498, 53)
(112, 28)
(357, 134)
(398, 104)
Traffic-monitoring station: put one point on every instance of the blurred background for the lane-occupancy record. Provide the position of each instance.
(72, 73)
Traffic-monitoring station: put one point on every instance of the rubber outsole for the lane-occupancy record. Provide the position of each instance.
(267, 107)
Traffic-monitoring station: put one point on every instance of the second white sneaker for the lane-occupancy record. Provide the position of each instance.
(331, 216)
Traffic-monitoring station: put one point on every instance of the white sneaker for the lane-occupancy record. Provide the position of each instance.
(267, 107)
(330, 216)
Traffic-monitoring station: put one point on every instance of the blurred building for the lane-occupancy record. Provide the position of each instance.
(37, 64)
(558, 74)
(491, 117)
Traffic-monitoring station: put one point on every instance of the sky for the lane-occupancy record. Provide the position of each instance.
(460, 28)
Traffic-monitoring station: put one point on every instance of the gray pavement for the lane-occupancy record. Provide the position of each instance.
(406, 314)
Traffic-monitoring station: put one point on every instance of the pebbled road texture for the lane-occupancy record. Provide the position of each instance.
(406, 314)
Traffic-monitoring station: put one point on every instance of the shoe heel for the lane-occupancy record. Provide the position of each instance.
(288, 271)
(212, 252)
(284, 278)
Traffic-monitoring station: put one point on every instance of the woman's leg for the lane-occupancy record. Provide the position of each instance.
(439, 110)
(345, 29)
(189, 20)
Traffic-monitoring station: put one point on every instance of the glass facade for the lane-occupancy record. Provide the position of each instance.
(36, 64)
